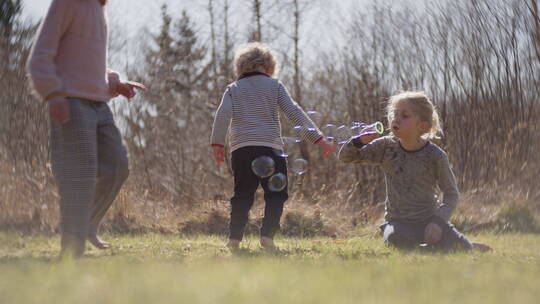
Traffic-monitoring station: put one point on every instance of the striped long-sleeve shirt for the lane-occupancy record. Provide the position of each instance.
(250, 107)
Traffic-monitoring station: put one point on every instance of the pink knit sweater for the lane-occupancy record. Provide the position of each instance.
(69, 56)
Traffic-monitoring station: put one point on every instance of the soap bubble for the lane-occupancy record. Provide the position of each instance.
(298, 132)
(329, 131)
(277, 182)
(289, 145)
(343, 133)
(356, 126)
(263, 166)
(361, 128)
(315, 116)
(299, 166)
(301, 131)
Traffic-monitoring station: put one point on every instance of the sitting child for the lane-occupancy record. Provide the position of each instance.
(413, 167)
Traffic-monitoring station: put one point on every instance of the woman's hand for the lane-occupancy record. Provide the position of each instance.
(432, 233)
(326, 147)
(219, 154)
(59, 109)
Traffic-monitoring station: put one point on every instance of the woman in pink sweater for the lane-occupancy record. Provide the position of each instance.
(68, 69)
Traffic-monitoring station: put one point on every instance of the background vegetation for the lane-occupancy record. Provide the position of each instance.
(478, 60)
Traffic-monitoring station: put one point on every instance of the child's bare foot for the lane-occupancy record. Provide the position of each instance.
(233, 244)
(99, 243)
(94, 239)
(72, 247)
(267, 243)
(481, 247)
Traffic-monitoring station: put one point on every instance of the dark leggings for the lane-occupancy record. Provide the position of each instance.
(408, 235)
(245, 186)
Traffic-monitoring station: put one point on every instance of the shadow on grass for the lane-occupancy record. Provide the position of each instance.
(27, 260)
(249, 253)
(426, 250)
(56, 259)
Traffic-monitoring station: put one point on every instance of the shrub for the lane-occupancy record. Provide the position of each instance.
(517, 216)
(298, 224)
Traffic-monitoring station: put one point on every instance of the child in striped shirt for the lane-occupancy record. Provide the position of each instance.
(250, 108)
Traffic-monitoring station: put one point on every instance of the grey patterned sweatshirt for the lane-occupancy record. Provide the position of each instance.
(411, 177)
(250, 107)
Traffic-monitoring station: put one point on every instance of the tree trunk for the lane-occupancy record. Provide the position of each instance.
(257, 12)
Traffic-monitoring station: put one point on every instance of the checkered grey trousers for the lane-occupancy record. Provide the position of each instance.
(90, 164)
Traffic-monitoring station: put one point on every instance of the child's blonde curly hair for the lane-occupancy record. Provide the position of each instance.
(254, 57)
(423, 107)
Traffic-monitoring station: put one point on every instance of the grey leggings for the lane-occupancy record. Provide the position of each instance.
(408, 235)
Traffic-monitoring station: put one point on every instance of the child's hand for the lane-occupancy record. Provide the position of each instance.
(369, 137)
(127, 88)
(326, 147)
(219, 154)
(59, 109)
(432, 233)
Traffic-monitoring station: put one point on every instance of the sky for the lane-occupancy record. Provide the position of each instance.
(134, 15)
(320, 24)
(323, 27)
(144, 13)
(38, 8)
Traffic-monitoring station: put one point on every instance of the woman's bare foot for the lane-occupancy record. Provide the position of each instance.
(481, 247)
(94, 239)
(267, 243)
(233, 244)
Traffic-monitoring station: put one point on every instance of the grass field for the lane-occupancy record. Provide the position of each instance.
(156, 268)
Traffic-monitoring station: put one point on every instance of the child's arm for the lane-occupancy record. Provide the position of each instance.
(355, 151)
(295, 114)
(447, 183)
(221, 126)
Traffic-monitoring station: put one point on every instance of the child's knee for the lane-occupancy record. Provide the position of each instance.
(396, 238)
(452, 238)
(276, 197)
(241, 199)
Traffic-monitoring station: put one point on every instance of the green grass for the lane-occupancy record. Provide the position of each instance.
(157, 268)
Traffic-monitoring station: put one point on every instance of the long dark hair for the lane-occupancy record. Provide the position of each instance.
(103, 2)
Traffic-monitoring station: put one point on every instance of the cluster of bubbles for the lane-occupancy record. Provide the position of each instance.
(341, 134)
(264, 166)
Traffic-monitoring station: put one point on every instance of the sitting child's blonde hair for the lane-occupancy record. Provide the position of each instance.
(422, 106)
(254, 57)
